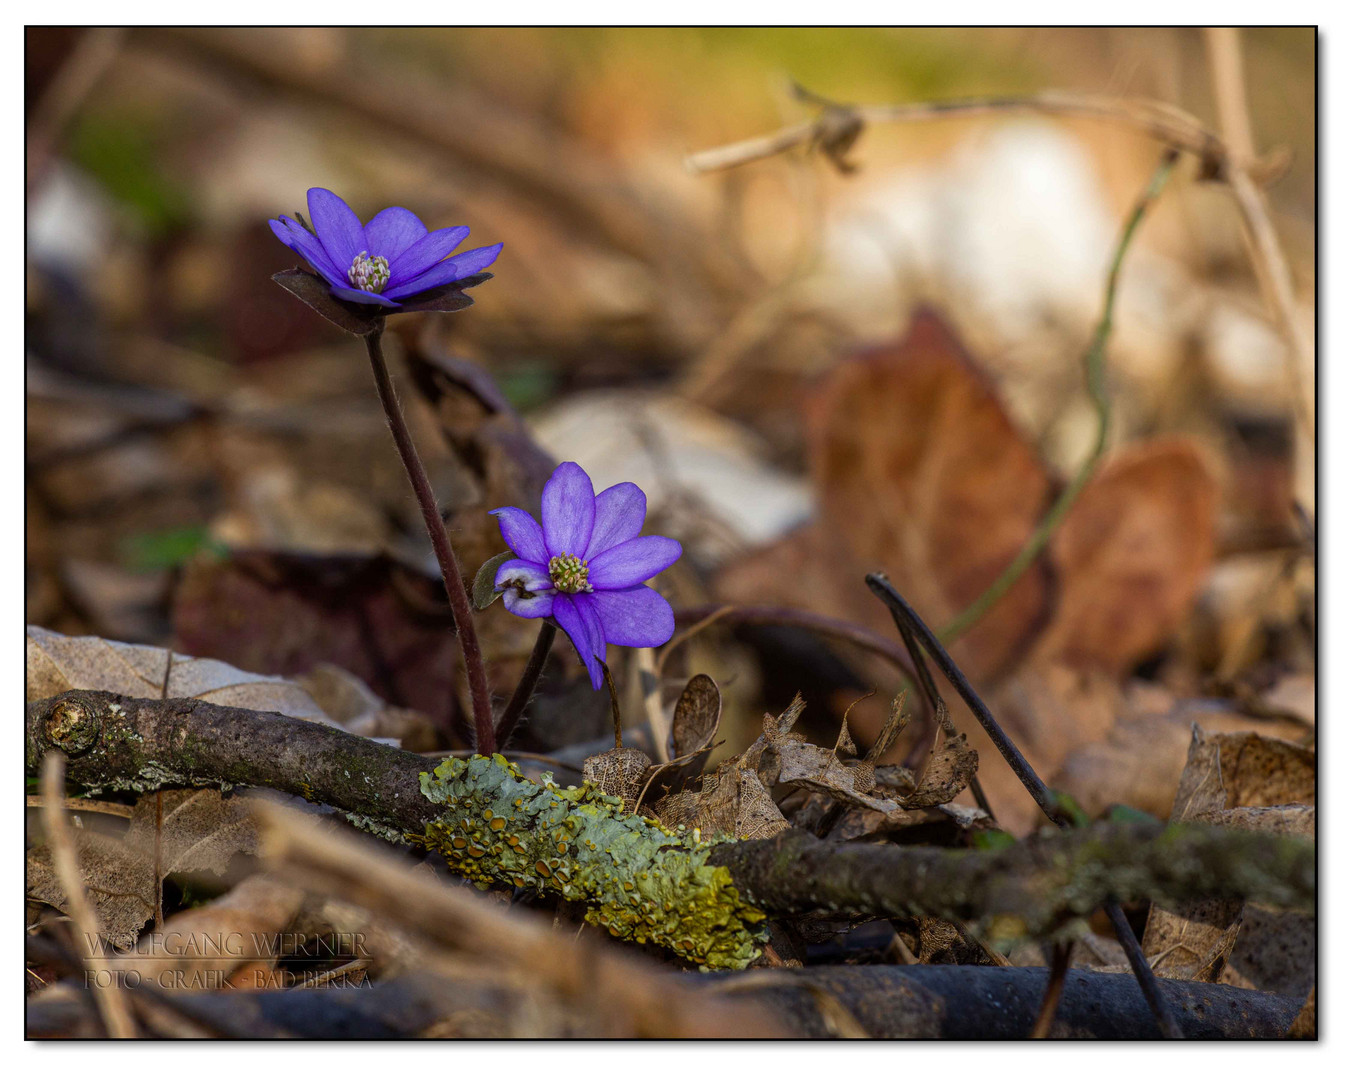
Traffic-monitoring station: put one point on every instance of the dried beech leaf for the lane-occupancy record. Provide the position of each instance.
(348, 702)
(732, 801)
(55, 663)
(911, 447)
(619, 771)
(774, 727)
(118, 881)
(696, 717)
(201, 829)
(1237, 781)
(948, 771)
(1130, 556)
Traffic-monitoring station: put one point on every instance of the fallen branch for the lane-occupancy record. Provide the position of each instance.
(1036, 887)
(943, 1001)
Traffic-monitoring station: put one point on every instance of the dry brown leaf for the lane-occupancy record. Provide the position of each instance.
(119, 882)
(619, 771)
(349, 702)
(1236, 781)
(200, 830)
(1130, 556)
(56, 663)
(1139, 762)
(696, 717)
(947, 772)
(198, 948)
(928, 479)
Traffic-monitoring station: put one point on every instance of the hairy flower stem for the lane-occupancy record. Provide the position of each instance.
(443, 549)
(513, 712)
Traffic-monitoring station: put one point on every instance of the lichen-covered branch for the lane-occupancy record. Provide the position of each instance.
(1031, 888)
(705, 900)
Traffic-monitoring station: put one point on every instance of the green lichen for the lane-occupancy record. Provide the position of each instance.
(640, 881)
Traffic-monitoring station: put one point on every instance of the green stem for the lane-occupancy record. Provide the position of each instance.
(1095, 376)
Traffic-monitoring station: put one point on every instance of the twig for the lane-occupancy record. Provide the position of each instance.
(1044, 882)
(1153, 992)
(905, 615)
(1041, 794)
(443, 548)
(112, 1004)
(1095, 377)
(1050, 1002)
(84, 806)
(1166, 123)
(513, 712)
(937, 707)
(1224, 48)
(654, 1003)
(706, 615)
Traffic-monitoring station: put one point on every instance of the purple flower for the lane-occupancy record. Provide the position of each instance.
(584, 564)
(391, 259)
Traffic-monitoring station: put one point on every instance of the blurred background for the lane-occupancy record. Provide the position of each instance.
(813, 372)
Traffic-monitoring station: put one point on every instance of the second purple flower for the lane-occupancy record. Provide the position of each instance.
(585, 566)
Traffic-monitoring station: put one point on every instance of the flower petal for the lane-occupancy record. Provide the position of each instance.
(428, 249)
(474, 261)
(618, 516)
(537, 606)
(390, 232)
(638, 617)
(522, 533)
(567, 510)
(299, 240)
(527, 588)
(337, 226)
(442, 273)
(579, 620)
(359, 296)
(523, 574)
(634, 561)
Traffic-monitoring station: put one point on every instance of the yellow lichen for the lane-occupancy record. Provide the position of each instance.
(639, 880)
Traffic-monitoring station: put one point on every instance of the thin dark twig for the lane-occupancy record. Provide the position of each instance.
(1055, 986)
(936, 703)
(443, 549)
(513, 712)
(1153, 993)
(1044, 797)
(903, 613)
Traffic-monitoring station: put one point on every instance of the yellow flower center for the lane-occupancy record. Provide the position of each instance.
(569, 573)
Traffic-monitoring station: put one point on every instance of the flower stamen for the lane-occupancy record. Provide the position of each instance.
(569, 573)
(368, 274)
